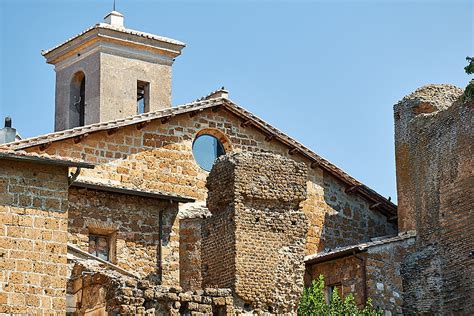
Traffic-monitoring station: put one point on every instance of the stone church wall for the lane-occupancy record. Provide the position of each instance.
(133, 224)
(159, 156)
(254, 242)
(33, 235)
(434, 155)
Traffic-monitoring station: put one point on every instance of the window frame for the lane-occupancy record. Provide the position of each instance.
(111, 237)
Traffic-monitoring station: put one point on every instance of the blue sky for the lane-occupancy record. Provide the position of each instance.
(325, 72)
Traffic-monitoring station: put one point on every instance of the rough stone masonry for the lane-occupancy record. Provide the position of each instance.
(254, 242)
(434, 155)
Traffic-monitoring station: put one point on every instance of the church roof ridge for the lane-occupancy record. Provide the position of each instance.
(379, 202)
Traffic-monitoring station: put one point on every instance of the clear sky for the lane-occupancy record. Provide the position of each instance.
(325, 72)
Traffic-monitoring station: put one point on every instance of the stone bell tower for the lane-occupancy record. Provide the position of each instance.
(109, 72)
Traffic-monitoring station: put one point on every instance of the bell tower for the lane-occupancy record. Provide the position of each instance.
(109, 72)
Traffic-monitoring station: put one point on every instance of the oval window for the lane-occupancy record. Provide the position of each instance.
(206, 149)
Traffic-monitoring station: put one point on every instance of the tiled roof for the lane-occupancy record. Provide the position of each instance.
(104, 126)
(116, 187)
(22, 155)
(118, 29)
(380, 202)
(342, 251)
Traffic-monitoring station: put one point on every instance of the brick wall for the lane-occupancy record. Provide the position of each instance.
(159, 156)
(133, 223)
(33, 235)
(434, 132)
(254, 241)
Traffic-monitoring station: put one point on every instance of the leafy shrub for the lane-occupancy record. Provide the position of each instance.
(313, 302)
(469, 69)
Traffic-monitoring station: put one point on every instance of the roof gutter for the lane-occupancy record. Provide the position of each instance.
(106, 188)
(46, 161)
(336, 255)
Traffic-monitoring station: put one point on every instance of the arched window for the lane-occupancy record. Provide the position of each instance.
(78, 96)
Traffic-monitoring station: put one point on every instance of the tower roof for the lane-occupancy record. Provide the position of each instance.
(112, 30)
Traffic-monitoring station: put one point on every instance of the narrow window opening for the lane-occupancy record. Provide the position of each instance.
(78, 100)
(143, 97)
(82, 103)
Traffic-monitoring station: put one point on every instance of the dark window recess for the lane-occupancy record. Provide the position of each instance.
(143, 97)
(331, 289)
(99, 246)
(78, 103)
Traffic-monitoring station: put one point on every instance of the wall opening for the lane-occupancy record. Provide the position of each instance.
(143, 97)
(77, 109)
(208, 145)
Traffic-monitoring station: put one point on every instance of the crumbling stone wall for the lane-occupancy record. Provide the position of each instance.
(434, 155)
(106, 291)
(254, 240)
(133, 224)
(159, 156)
(33, 235)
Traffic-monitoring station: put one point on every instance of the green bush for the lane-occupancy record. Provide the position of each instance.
(469, 69)
(313, 302)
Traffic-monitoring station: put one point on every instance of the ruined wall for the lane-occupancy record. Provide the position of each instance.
(33, 235)
(133, 224)
(159, 156)
(434, 153)
(254, 200)
(98, 290)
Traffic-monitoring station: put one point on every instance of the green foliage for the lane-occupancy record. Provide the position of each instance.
(313, 302)
(469, 69)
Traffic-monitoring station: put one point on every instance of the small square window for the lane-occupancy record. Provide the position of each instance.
(99, 246)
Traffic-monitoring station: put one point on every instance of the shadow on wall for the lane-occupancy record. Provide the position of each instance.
(348, 219)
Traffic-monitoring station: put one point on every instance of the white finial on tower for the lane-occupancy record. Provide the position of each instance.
(114, 18)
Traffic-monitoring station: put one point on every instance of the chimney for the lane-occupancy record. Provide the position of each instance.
(7, 134)
(219, 93)
(114, 18)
